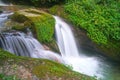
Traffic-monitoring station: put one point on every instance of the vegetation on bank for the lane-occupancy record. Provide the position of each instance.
(26, 68)
(10, 77)
(99, 18)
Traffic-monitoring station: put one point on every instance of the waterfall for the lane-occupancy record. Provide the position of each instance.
(2, 4)
(70, 54)
(65, 39)
(22, 44)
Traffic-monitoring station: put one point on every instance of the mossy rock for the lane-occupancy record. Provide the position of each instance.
(41, 23)
(25, 68)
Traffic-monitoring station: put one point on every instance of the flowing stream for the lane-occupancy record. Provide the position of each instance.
(85, 62)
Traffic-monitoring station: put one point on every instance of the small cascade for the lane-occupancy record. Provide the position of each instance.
(22, 44)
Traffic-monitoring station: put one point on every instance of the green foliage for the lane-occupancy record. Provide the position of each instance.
(97, 35)
(10, 77)
(54, 9)
(4, 55)
(100, 18)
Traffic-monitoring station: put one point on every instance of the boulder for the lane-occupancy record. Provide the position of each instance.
(41, 23)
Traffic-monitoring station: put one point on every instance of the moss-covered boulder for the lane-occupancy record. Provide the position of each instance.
(24, 68)
(41, 23)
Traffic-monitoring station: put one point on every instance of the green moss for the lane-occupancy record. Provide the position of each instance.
(42, 23)
(6, 77)
(54, 9)
(5, 55)
(41, 68)
(58, 71)
(44, 27)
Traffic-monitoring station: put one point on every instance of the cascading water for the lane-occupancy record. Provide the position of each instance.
(65, 39)
(25, 45)
(22, 44)
(69, 51)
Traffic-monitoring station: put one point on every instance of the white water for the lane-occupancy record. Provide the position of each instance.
(65, 39)
(3, 19)
(2, 4)
(22, 44)
(25, 45)
(69, 51)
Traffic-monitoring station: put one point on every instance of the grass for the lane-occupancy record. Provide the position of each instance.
(10, 77)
